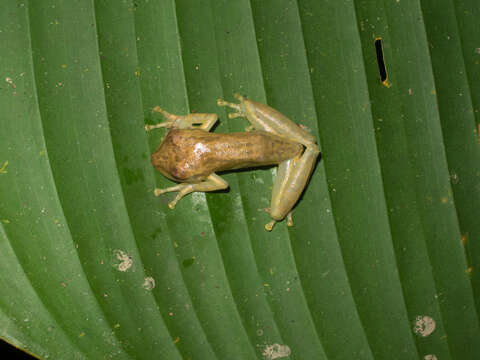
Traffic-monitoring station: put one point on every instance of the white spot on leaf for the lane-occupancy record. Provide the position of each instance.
(149, 283)
(259, 180)
(126, 261)
(430, 357)
(276, 351)
(424, 325)
(198, 199)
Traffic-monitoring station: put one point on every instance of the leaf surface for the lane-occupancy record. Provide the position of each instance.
(381, 262)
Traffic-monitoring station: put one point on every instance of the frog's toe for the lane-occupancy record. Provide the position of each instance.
(238, 97)
(234, 115)
(270, 225)
(289, 220)
(221, 102)
(172, 205)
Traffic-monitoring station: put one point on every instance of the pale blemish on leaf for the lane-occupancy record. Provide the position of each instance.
(3, 169)
(424, 325)
(430, 357)
(258, 180)
(276, 351)
(126, 261)
(454, 178)
(198, 200)
(148, 283)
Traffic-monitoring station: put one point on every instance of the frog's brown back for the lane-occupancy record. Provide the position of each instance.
(190, 155)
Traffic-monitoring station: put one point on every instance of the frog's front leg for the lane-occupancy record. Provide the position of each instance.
(293, 174)
(211, 183)
(189, 121)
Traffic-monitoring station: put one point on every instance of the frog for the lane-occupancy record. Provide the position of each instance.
(191, 155)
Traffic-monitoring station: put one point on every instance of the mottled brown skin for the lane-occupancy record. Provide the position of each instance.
(191, 155)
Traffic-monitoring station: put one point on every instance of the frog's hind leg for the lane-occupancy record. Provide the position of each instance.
(269, 226)
(292, 177)
(189, 121)
(211, 183)
(221, 102)
(266, 118)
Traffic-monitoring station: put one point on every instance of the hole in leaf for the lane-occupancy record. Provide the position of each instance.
(381, 61)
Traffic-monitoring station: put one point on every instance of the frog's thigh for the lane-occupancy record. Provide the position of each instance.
(212, 183)
(264, 117)
(292, 177)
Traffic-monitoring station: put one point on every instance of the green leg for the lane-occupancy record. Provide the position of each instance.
(212, 183)
(292, 177)
(189, 121)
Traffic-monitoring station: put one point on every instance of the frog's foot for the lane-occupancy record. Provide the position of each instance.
(212, 183)
(186, 189)
(159, 192)
(239, 97)
(170, 123)
(156, 126)
(189, 121)
(183, 189)
(237, 107)
(270, 225)
(221, 102)
(234, 115)
(289, 219)
(170, 117)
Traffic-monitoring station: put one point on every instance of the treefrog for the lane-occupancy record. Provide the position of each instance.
(191, 155)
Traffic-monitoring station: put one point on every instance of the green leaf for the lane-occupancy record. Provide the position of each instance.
(383, 259)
